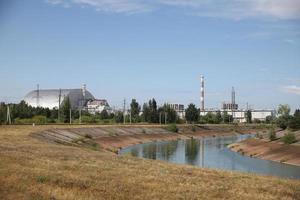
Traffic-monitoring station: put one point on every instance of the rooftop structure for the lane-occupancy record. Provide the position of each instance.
(97, 106)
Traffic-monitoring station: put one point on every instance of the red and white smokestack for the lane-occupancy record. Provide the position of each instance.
(202, 93)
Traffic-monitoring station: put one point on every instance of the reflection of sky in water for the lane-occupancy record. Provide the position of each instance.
(211, 153)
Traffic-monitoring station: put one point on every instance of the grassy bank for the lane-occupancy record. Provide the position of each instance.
(34, 169)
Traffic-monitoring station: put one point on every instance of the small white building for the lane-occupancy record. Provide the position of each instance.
(261, 115)
(97, 106)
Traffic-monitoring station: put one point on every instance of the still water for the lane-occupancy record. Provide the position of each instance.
(211, 153)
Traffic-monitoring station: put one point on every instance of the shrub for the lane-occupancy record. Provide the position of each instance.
(289, 138)
(172, 128)
(88, 119)
(282, 122)
(272, 135)
(36, 119)
(42, 179)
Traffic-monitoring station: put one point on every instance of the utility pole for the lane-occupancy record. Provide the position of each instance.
(166, 118)
(70, 116)
(8, 118)
(160, 118)
(59, 102)
(124, 110)
(79, 116)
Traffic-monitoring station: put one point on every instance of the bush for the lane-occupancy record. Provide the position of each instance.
(172, 128)
(289, 138)
(282, 122)
(36, 119)
(272, 135)
(42, 179)
(88, 119)
(294, 123)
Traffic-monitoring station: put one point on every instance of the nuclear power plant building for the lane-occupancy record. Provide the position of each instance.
(53, 98)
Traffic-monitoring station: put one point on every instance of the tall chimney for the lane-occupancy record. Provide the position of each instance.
(233, 98)
(202, 93)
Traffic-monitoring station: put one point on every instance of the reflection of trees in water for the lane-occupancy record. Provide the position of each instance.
(192, 147)
(149, 151)
(168, 149)
(135, 152)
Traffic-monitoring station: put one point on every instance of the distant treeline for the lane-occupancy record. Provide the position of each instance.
(149, 112)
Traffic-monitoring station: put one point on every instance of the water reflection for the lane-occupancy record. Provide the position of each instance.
(211, 153)
(191, 151)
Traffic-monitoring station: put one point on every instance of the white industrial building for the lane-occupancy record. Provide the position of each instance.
(97, 106)
(179, 108)
(232, 108)
(241, 115)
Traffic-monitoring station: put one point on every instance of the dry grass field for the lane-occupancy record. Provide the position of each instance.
(34, 169)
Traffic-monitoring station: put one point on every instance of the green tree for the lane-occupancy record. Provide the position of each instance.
(249, 116)
(119, 118)
(192, 114)
(227, 118)
(218, 118)
(65, 110)
(135, 110)
(294, 122)
(270, 119)
(153, 111)
(170, 113)
(282, 122)
(104, 114)
(150, 112)
(146, 113)
(3, 113)
(284, 110)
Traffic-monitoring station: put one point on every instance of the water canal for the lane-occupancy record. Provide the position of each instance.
(211, 153)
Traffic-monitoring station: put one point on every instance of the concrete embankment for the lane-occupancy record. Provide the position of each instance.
(269, 150)
(115, 137)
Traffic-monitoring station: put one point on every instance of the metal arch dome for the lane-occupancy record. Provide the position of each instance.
(50, 98)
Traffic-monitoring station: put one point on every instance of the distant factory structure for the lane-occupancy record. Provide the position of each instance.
(79, 98)
(97, 106)
(179, 109)
(232, 108)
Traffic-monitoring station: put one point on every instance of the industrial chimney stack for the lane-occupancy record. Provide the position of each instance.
(233, 98)
(202, 93)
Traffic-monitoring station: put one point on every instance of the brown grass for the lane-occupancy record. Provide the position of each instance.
(34, 169)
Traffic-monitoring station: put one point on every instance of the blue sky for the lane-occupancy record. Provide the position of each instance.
(153, 48)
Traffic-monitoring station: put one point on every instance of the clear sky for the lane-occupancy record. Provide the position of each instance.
(153, 48)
